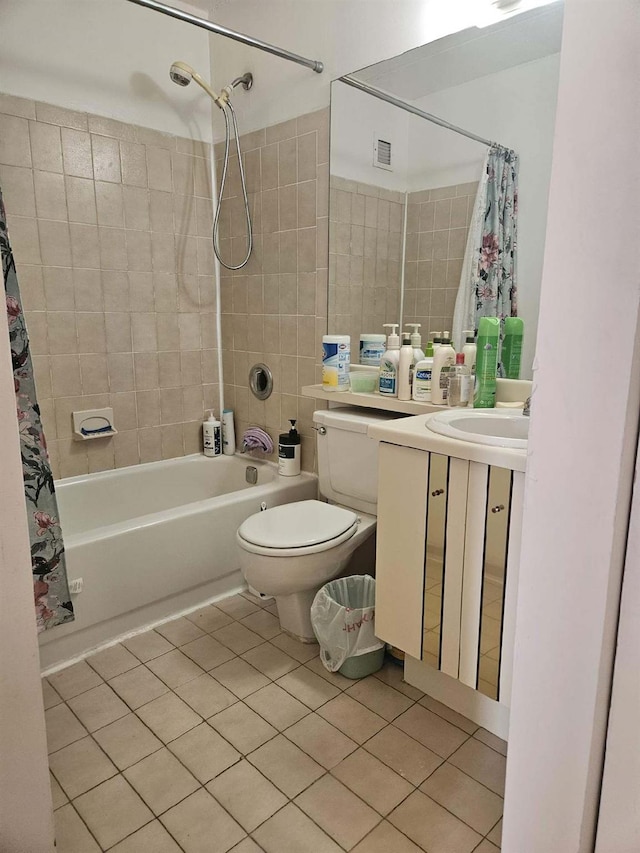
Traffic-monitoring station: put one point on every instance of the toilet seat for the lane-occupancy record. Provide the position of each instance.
(304, 527)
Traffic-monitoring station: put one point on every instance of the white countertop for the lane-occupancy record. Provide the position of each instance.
(413, 432)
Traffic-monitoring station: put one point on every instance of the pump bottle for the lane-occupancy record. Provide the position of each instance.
(443, 360)
(388, 375)
(289, 452)
(416, 342)
(211, 436)
(405, 368)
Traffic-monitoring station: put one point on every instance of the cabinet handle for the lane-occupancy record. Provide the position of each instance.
(497, 508)
(437, 492)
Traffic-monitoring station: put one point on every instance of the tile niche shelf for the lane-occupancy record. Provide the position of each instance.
(370, 401)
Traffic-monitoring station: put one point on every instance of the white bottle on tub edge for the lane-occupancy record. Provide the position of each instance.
(211, 436)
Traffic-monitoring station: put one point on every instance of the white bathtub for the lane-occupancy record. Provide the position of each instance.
(152, 540)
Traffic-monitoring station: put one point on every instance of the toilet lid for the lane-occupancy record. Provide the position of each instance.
(297, 525)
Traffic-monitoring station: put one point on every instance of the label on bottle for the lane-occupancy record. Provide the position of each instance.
(388, 377)
(446, 370)
(212, 441)
(371, 352)
(336, 362)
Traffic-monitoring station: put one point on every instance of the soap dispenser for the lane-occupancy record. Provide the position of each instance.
(289, 452)
(416, 342)
(388, 375)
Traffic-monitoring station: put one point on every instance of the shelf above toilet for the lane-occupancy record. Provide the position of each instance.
(369, 401)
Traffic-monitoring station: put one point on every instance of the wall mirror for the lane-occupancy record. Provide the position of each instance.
(403, 189)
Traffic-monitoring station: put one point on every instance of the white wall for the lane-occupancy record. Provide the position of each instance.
(582, 442)
(105, 56)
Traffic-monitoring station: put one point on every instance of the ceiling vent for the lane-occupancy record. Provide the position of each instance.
(382, 154)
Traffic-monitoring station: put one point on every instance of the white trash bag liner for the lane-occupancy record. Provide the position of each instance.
(342, 615)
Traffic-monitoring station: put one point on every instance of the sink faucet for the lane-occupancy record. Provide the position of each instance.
(527, 407)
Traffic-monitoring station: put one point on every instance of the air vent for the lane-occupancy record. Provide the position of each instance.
(382, 154)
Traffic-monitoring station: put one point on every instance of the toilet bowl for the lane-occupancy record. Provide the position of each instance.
(290, 551)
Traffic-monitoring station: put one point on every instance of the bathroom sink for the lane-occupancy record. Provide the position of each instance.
(494, 427)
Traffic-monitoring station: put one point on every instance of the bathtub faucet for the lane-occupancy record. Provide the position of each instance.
(257, 439)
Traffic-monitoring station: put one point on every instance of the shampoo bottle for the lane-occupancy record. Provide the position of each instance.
(228, 433)
(405, 368)
(388, 376)
(416, 342)
(487, 363)
(211, 436)
(422, 377)
(512, 347)
(444, 359)
(289, 452)
(469, 350)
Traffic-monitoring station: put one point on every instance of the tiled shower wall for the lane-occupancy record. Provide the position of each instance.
(110, 226)
(437, 227)
(274, 310)
(365, 240)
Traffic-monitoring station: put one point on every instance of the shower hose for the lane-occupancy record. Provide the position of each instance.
(223, 180)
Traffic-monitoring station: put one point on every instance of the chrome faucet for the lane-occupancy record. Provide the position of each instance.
(526, 411)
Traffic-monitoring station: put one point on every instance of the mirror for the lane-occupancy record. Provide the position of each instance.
(402, 188)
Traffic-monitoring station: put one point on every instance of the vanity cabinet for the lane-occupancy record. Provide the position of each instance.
(446, 568)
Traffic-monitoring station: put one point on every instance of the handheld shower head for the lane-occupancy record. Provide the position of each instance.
(181, 73)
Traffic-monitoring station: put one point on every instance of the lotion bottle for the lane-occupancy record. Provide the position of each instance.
(422, 377)
(405, 368)
(228, 433)
(443, 360)
(416, 342)
(211, 436)
(388, 375)
(469, 350)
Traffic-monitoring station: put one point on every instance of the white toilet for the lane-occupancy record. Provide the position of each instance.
(290, 551)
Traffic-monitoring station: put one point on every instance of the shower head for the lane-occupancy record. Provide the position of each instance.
(181, 73)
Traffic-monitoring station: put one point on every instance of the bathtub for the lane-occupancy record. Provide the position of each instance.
(156, 539)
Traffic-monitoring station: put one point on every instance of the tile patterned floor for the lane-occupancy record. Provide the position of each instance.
(215, 733)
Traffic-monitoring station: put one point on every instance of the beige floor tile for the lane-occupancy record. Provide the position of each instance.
(302, 652)
(449, 714)
(393, 675)
(385, 839)
(464, 797)
(179, 631)
(352, 718)
(152, 838)
(246, 795)
(380, 698)
(262, 623)
(431, 730)
(486, 846)
(62, 727)
(322, 741)
(161, 780)
(291, 831)
(204, 752)
(58, 796)
(483, 764)
(236, 606)
(98, 707)
(127, 741)
(112, 811)
(72, 836)
(242, 727)
(338, 811)
(168, 717)
(74, 680)
(238, 638)
(246, 846)
(206, 696)
(495, 836)
(49, 695)
(207, 652)
(138, 686)
(286, 766)
(339, 681)
(308, 687)
(147, 646)
(239, 677)
(276, 706)
(209, 618)
(403, 754)
(374, 782)
(270, 661)
(432, 827)
(198, 820)
(80, 766)
(112, 661)
(174, 668)
(492, 740)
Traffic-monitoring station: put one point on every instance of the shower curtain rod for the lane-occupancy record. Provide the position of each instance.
(314, 64)
(390, 99)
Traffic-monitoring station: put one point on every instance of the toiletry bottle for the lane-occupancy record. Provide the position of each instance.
(487, 363)
(289, 452)
(460, 383)
(405, 368)
(436, 337)
(211, 436)
(469, 350)
(336, 362)
(416, 341)
(512, 347)
(372, 349)
(444, 359)
(388, 376)
(422, 377)
(228, 433)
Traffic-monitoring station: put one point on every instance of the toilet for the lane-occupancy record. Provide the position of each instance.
(290, 551)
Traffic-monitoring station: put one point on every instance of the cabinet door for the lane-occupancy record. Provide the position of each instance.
(400, 557)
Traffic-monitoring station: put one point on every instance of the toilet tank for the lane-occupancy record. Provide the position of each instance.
(348, 458)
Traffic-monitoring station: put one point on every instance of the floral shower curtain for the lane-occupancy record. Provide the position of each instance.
(50, 588)
(488, 285)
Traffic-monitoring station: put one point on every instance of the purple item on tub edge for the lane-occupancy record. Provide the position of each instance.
(257, 439)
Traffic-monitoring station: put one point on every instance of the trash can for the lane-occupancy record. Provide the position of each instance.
(342, 615)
